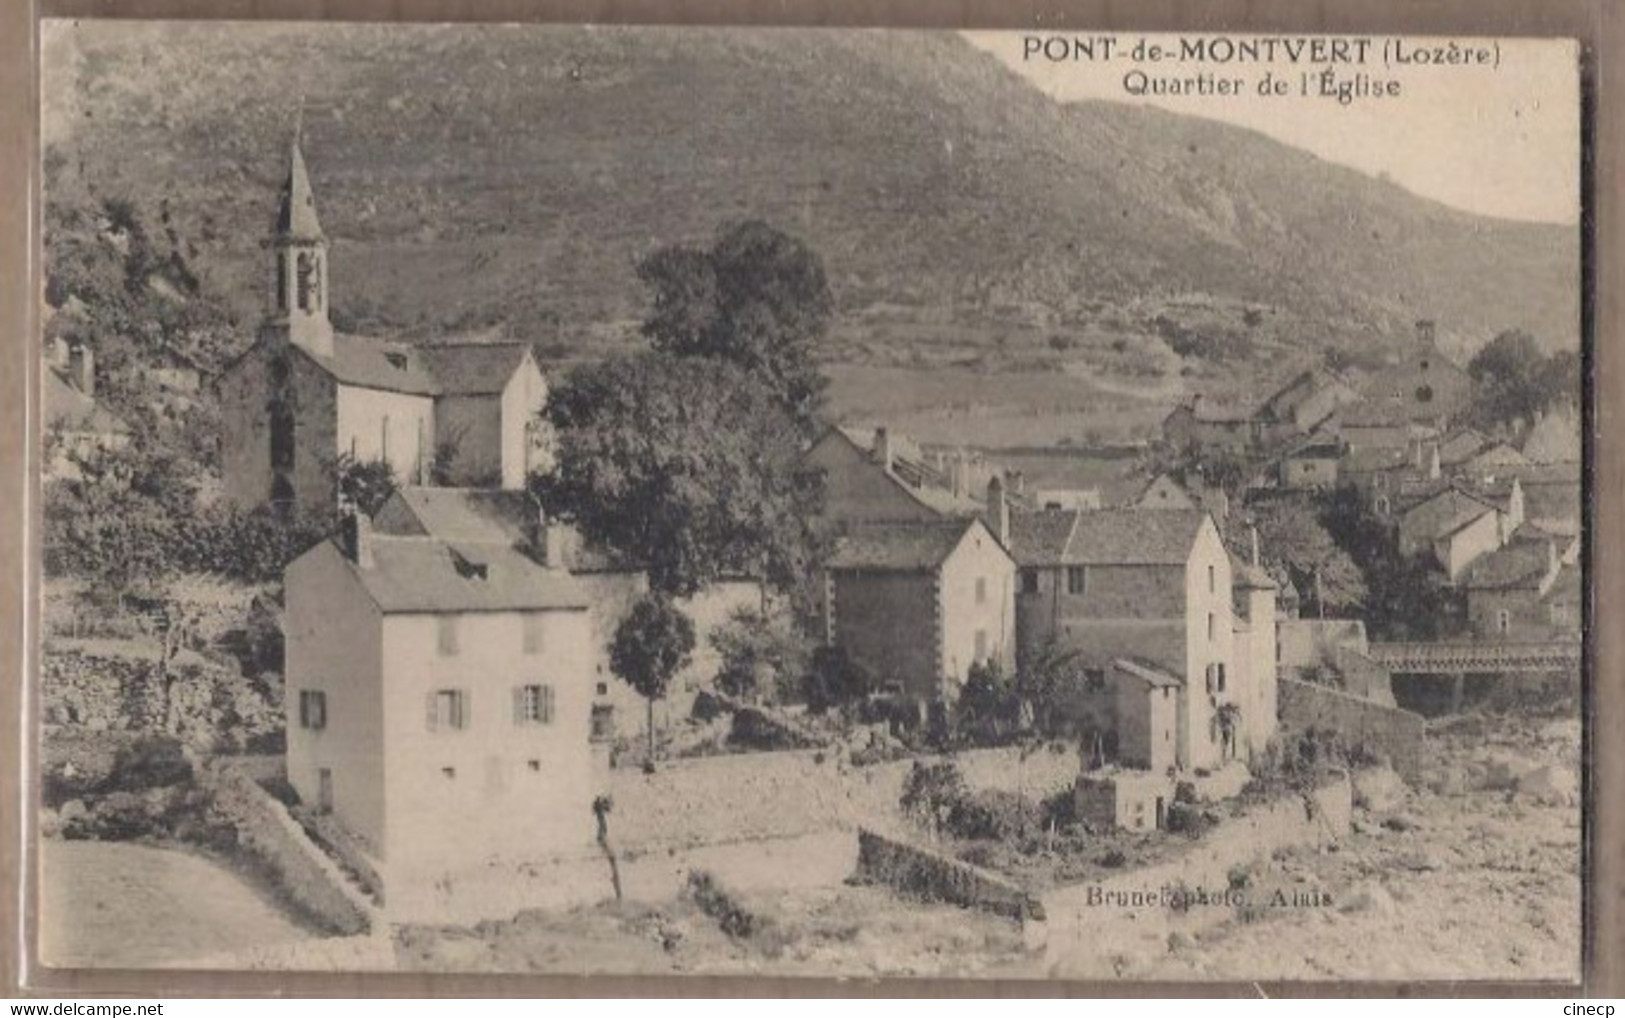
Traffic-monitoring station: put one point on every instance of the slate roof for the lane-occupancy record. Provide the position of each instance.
(1151, 674)
(1041, 538)
(1105, 536)
(473, 369)
(1369, 460)
(1446, 512)
(421, 574)
(453, 369)
(904, 546)
(1521, 564)
(1461, 446)
(463, 514)
(924, 483)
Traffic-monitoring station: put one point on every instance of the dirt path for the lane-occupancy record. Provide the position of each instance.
(122, 905)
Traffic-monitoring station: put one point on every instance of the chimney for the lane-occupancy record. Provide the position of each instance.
(83, 369)
(549, 541)
(882, 450)
(355, 534)
(1252, 532)
(960, 470)
(998, 510)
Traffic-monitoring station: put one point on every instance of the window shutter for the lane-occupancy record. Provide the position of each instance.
(434, 711)
(519, 705)
(547, 703)
(462, 709)
(304, 709)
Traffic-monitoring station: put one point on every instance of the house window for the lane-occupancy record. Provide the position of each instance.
(308, 284)
(1503, 620)
(981, 645)
(383, 439)
(1381, 505)
(1077, 579)
(282, 435)
(1212, 581)
(312, 709)
(602, 689)
(449, 773)
(1212, 627)
(534, 765)
(1218, 672)
(602, 723)
(981, 590)
(533, 633)
(447, 626)
(1029, 581)
(448, 709)
(532, 705)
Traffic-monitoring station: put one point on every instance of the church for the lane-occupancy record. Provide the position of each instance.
(305, 400)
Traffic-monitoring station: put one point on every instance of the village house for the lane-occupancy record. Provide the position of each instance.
(1202, 424)
(76, 425)
(1525, 590)
(1157, 590)
(438, 699)
(1304, 403)
(1311, 462)
(1553, 496)
(612, 586)
(918, 602)
(875, 476)
(1165, 492)
(305, 398)
(1457, 525)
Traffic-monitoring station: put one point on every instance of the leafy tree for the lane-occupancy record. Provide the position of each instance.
(365, 484)
(757, 297)
(652, 644)
(835, 679)
(989, 707)
(1293, 534)
(689, 467)
(1043, 680)
(1514, 378)
(758, 651)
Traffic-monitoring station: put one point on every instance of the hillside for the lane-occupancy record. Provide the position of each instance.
(1082, 257)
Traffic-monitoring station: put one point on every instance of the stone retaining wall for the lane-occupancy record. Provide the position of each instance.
(919, 872)
(1390, 734)
(266, 831)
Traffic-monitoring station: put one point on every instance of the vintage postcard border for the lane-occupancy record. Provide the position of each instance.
(1603, 40)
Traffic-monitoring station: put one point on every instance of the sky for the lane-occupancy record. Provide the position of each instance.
(1500, 140)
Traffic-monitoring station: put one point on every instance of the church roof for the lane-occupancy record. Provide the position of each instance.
(473, 369)
(296, 215)
(372, 363)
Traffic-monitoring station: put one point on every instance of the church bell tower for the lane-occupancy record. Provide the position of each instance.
(299, 303)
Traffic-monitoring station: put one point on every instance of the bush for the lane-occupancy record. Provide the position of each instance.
(151, 761)
(834, 680)
(715, 901)
(1186, 818)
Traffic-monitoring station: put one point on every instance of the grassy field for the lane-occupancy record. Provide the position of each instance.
(123, 905)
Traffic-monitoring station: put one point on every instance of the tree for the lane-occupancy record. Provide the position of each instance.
(759, 651)
(989, 707)
(1292, 533)
(1042, 680)
(1513, 379)
(365, 485)
(757, 297)
(834, 679)
(688, 467)
(652, 644)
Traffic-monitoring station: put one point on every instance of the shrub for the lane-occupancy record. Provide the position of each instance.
(1188, 819)
(151, 761)
(715, 901)
(834, 679)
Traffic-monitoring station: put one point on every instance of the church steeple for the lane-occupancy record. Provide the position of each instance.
(300, 302)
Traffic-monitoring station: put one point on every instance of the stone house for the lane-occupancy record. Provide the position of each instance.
(79, 423)
(1524, 591)
(1457, 525)
(1202, 424)
(304, 397)
(513, 519)
(1310, 463)
(1156, 589)
(877, 476)
(1304, 403)
(438, 699)
(918, 602)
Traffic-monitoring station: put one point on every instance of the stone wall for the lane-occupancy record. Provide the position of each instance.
(312, 882)
(921, 873)
(722, 799)
(1388, 733)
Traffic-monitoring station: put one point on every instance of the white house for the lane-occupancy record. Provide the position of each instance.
(438, 699)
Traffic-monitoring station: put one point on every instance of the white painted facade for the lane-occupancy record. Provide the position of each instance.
(393, 427)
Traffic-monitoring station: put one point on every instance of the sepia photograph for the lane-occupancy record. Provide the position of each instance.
(827, 502)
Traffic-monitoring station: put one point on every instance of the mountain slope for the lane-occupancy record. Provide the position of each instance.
(475, 177)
